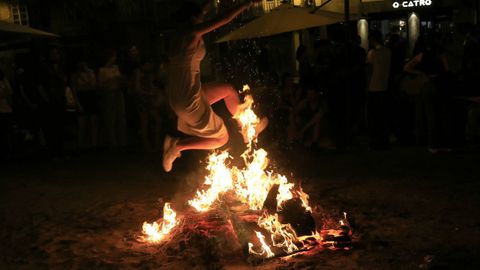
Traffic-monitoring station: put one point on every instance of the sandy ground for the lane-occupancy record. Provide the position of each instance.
(409, 210)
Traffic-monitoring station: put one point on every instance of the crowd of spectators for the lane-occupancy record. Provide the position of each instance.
(51, 111)
(346, 95)
(342, 96)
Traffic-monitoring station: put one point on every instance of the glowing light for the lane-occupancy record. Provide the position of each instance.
(219, 180)
(250, 184)
(412, 3)
(282, 235)
(154, 232)
(266, 251)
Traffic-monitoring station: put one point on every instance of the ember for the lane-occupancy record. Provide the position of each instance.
(284, 222)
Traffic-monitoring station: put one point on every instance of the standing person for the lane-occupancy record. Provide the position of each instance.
(147, 99)
(130, 70)
(6, 120)
(471, 71)
(113, 107)
(53, 105)
(431, 64)
(356, 89)
(308, 116)
(25, 107)
(289, 97)
(304, 66)
(378, 61)
(84, 84)
(189, 98)
(401, 103)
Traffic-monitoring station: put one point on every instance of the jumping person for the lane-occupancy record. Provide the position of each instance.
(188, 97)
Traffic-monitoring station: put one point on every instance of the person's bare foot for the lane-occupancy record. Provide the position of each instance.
(170, 152)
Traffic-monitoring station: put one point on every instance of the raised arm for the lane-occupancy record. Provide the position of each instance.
(223, 19)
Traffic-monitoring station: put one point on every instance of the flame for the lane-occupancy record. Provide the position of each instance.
(247, 118)
(153, 232)
(315, 235)
(282, 235)
(219, 180)
(304, 198)
(284, 191)
(251, 185)
(344, 221)
(266, 251)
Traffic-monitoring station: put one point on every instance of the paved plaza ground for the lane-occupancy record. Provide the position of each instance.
(409, 209)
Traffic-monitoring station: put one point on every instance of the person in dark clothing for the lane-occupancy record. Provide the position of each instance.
(431, 64)
(322, 69)
(471, 71)
(6, 117)
(398, 49)
(25, 104)
(356, 89)
(130, 71)
(471, 61)
(402, 104)
(53, 104)
(304, 67)
(263, 61)
(84, 83)
(378, 60)
(289, 97)
(308, 117)
(337, 93)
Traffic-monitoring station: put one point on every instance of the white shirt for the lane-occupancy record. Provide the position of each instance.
(379, 58)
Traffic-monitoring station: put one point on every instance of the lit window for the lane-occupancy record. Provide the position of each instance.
(19, 13)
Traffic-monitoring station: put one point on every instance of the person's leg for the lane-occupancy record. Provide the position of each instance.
(216, 91)
(109, 111)
(157, 126)
(121, 120)
(81, 130)
(316, 128)
(371, 122)
(384, 127)
(376, 121)
(196, 143)
(172, 147)
(56, 126)
(94, 130)
(420, 119)
(143, 117)
(213, 92)
(5, 138)
(431, 109)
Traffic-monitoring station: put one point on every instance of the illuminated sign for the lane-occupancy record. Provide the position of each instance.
(412, 3)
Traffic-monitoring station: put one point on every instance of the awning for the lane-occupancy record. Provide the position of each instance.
(21, 29)
(285, 18)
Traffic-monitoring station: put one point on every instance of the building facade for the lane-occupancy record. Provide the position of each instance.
(14, 12)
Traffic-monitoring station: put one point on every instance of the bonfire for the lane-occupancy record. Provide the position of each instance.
(282, 217)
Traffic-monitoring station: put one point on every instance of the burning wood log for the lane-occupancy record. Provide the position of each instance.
(270, 204)
(295, 214)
